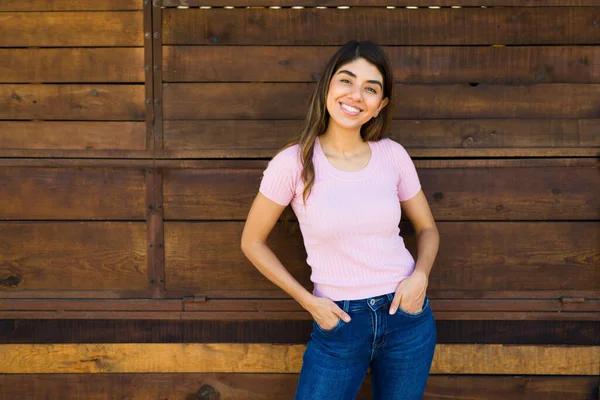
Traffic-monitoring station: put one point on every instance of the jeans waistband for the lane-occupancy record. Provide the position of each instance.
(370, 303)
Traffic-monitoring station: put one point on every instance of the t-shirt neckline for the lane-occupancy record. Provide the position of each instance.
(348, 175)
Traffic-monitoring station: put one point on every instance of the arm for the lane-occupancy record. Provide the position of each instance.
(410, 293)
(261, 219)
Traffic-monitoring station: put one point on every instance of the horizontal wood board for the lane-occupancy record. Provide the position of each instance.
(464, 26)
(410, 64)
(480, 359)
(242, 386)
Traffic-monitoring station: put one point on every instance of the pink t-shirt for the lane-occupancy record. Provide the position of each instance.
(350, 221)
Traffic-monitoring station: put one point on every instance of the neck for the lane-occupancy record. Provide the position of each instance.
(342, 140)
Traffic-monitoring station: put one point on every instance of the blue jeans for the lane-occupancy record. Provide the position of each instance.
(398, 348)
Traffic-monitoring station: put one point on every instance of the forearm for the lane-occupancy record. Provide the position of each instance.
(263, 258)
(428, 243)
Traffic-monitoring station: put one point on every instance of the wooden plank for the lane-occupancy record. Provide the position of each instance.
(284, 315)
(73, 256)
(205, 256)
(250, 305)
(381, 3)
(255, 101)
(464, 26)
(88, 136)
(71, 29)
(69, 5)
(280, 331)
(71, 193)
(423, 138)
(72, 102)
(455, 194)
(100, 386)
(273, 358)
(412, 64)
(254, 164)
(123, 65)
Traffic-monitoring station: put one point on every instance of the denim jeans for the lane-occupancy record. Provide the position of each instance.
(398, 348)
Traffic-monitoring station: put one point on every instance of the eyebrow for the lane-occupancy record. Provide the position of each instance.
(352, 74)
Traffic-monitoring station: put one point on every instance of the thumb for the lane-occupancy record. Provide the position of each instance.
(395, 303)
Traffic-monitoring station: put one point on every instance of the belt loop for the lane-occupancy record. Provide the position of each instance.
(346, 306)
(390, 297)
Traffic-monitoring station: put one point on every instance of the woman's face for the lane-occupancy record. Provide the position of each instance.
(355, 94)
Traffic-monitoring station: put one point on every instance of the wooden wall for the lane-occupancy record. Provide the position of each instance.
(133, 135)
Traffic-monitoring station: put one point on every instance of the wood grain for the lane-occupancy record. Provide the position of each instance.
(241, 386)
(265, 358)
(280, 331)
(464, 26)
(411, 64)
(282, 101)
(69, 5)
(73, 256)
(205, 256)
(423, 138)
(454, 194)
(71, 29)
(72, 102)
(86, 136)
(123, 65)
(72, 193)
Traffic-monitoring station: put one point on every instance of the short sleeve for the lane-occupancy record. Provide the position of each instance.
(279, 178)
(408, 183)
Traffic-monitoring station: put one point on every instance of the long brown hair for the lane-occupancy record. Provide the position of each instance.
(317, 117)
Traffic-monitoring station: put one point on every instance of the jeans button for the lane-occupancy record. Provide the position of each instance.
(372, 301)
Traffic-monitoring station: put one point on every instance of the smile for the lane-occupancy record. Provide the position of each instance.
(349, 109)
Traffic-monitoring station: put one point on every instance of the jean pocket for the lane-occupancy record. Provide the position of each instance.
(335, 328)
(417, 314)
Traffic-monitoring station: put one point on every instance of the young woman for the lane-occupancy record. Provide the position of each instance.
(347, 185)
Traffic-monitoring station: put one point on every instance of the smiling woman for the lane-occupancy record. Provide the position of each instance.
(347, 185)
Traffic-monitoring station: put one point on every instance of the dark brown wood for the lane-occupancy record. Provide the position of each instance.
(382, 3)
(281, 331)
(123, 65)
(411, 64)
(254, 164)
(423, 138)
(148, 76)
(289, 315)
(290, 100)
(454, 194)
(73, 256)
(69, 5)
(156, 262)
(71, 193)
(465, 26)
(71, 29)
(157, 61)
(87, 137)
(205, 256)
(278, 386)
(72, 102)
(277, 305)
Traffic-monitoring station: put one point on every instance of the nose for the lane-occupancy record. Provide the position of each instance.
(355, 94)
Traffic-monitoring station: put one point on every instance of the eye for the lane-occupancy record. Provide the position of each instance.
(344, 80)
(372, 89)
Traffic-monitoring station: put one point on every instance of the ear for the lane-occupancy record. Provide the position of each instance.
(384, 103)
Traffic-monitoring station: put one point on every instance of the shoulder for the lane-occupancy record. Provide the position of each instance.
(287, 159)
(393, 150)
(288, 156)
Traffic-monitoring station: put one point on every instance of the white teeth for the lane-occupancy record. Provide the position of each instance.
(351, 109)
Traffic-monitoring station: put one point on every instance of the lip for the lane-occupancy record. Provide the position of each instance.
(349, 105)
